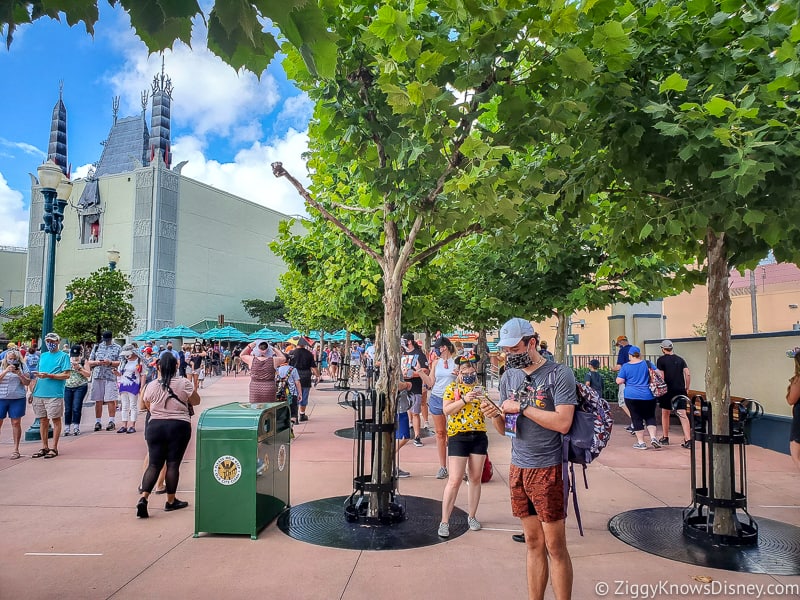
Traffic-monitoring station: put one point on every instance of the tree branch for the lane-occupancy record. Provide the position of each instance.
(279, 171)
(474, 228)
(354, 208)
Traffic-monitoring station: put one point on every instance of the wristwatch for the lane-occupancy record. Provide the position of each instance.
(524, 403)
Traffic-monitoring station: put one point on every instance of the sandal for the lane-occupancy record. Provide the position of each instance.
(52, 454)
(40, 453)
(15, 455)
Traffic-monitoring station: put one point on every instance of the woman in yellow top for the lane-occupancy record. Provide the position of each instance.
(467, 441)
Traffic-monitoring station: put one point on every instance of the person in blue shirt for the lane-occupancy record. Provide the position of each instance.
(48, 395)
(635, 376)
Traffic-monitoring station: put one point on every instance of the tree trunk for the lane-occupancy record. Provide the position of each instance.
(718, 345)
(482, 350)
(560, 353)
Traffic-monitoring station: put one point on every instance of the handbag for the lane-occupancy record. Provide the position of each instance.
(658, 386)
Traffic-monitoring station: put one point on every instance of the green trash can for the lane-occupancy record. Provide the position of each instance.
(242, 467)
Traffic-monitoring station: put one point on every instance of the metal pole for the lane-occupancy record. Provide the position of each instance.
(753, 304)
(49, 289)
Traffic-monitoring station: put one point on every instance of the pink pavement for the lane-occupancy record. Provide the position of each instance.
(68, 527)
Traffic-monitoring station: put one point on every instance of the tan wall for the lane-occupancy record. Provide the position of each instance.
(223, 253)
(76, 260)
(12, 277)
(759, 367)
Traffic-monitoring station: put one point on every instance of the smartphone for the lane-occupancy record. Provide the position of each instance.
(492, 402)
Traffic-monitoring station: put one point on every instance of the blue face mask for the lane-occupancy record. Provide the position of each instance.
(469, 378)
(51, 346)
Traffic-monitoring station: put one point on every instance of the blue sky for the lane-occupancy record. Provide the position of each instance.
(229, 126)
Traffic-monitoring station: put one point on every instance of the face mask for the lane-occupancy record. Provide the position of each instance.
(14, 363)
(469, 378)
(51, 346)
(169, 347)
(518, 361)
(438, 351)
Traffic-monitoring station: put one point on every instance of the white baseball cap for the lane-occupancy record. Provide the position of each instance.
(513, 331)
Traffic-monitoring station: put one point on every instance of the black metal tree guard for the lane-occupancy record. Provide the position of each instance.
(343, 376)
(369, 426)
(698, 519)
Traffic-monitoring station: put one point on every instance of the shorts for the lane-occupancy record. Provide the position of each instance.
(189, 370)
(104, 390)
(416, 403)
(621, 395)
(48, 408)
(538, 492)
(403, 431)
(794, 433)
(435, 404)
(667, 401)
(13, 408)
(465, 443)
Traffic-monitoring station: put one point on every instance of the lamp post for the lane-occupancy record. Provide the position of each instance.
(113, 258)
(56, 189)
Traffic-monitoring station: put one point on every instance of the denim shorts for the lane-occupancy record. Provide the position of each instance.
(403, 431)
(13, 408)
(435, 404)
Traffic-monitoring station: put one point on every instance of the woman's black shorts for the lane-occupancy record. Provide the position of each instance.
(468, 442)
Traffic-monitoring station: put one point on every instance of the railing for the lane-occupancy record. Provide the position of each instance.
(607, 361)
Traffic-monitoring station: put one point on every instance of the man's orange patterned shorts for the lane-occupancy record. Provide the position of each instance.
(537, 492)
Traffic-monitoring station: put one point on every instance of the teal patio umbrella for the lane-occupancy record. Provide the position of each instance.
(147, 335)
(181, 331)
(229, 333)
(265, 333)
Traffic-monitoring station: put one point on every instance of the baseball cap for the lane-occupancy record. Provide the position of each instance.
(621, 338)
(543, 344)
(107, 335)
(513, 331)
(52, 336)
(148, 350)
(75, 350)
(443, 341)
(667, 344)
(127, 350)
(634, 350)
(408, 336)
(595, 363)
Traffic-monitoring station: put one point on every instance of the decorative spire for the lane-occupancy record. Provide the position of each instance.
(145, 98)
(57, 148)
(160, 117)
(115, 107)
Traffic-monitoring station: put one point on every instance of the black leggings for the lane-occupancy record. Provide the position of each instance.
(167, 440)
(643, 412)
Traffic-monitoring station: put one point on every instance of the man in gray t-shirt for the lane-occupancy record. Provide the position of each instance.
(541, 394)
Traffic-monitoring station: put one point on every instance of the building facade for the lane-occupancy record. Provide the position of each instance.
(191, 251)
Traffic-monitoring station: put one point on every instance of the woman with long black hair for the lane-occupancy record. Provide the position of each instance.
(168, 432)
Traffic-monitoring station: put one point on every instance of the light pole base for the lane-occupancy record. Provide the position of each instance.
(33, 434)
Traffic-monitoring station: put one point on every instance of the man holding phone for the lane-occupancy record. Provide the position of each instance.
(103, 360)
(48, 395)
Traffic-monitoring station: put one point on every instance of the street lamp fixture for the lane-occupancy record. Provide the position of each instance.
(113, 258)
(56, 189)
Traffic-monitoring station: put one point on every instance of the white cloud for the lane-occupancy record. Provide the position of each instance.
(250, 175)
(24, 146)
(296, 111)
(13, 216)
(208, 95)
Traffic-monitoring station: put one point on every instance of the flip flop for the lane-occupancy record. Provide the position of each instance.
(15, 455)
(41, 453)
(52, 454)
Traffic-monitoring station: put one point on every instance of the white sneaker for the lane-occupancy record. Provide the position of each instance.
(474, 524)
(442, 474)
(444, 530)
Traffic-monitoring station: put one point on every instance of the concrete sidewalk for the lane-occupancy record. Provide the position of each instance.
(68, 527)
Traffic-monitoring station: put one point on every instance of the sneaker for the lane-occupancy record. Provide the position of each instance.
(442, 474)
(67, 432)
(640, 446)
(111, 426)
(303, 417)
(76, 431)
(141, 508)
(131, 430)
(630, 430)
(686, 444)
(655, 443)
(444, 530)
(474, 524)
(399, 473)
(122, 429)
(98, 426)
(418, 442)
(176, 505)
(664, 441)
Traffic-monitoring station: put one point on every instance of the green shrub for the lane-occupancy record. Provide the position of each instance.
(609, 381)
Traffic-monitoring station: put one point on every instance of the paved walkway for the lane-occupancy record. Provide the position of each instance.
(68, 527)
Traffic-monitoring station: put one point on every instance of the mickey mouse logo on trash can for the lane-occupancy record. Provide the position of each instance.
(227, 470)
